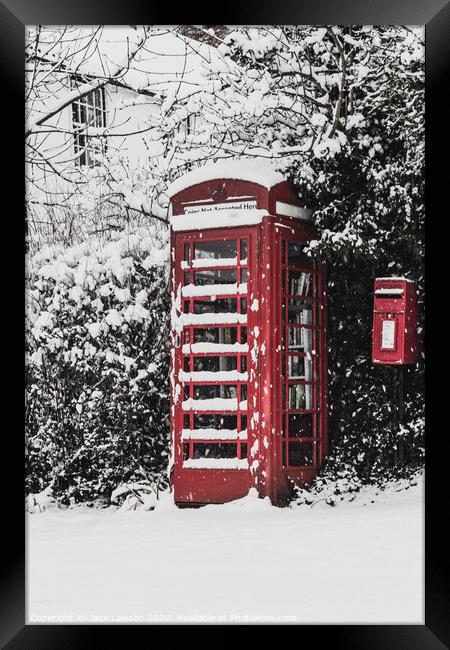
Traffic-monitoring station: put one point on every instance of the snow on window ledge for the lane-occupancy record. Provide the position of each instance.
(196, 348)
(215, 404)
(206, 262)
(213, 319)
(191, 290)
(213, 434)
(209, 375)
(215, 463)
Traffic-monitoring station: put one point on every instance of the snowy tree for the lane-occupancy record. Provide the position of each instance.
(79, 181)
(97, 369)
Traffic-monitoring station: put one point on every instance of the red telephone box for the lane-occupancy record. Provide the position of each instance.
(248, 372)
(395, 314)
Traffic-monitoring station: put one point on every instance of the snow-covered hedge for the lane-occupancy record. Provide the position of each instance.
(97, 410)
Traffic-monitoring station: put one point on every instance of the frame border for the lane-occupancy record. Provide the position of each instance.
(435, 15)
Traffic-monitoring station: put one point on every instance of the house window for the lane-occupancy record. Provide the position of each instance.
(88, 115)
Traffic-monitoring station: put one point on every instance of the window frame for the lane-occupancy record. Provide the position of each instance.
(311, 298)
(188, 267)
(86, 145)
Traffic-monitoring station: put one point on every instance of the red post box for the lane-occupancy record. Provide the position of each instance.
(395, 313)
(248, 377)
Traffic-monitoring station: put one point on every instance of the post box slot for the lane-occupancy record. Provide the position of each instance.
(389, 293)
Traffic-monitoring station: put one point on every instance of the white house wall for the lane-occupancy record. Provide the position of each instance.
(58, 145)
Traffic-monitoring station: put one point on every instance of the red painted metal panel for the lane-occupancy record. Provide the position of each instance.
(196, 486)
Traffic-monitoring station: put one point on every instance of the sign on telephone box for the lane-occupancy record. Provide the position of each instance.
(395, 315)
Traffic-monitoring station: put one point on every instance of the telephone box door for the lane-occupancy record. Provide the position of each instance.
(215, 284)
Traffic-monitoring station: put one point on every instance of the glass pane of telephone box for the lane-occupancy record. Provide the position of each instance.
(300, 425)
(217, 276)
(214, 364)
(215, 421)
(297, 256)
(215, 250)
(297, 397)
(212, 391)
(301, 453)
(243, 249)
(296, 338)
(300, 283)
(218, 306)
(296, 367)
(223, 335)
(300, 368)
(215, 450)
(300, 397)
(299, 312)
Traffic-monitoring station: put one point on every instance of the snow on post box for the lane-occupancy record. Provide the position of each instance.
(395, 312)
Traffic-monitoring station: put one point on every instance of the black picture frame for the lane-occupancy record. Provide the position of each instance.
(434, 14)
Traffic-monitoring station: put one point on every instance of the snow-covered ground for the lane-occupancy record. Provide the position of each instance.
(357, 562)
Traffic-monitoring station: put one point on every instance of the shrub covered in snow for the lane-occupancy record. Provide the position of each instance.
(344, 486)
(97, 408)
(40, 502)
(369, 208)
